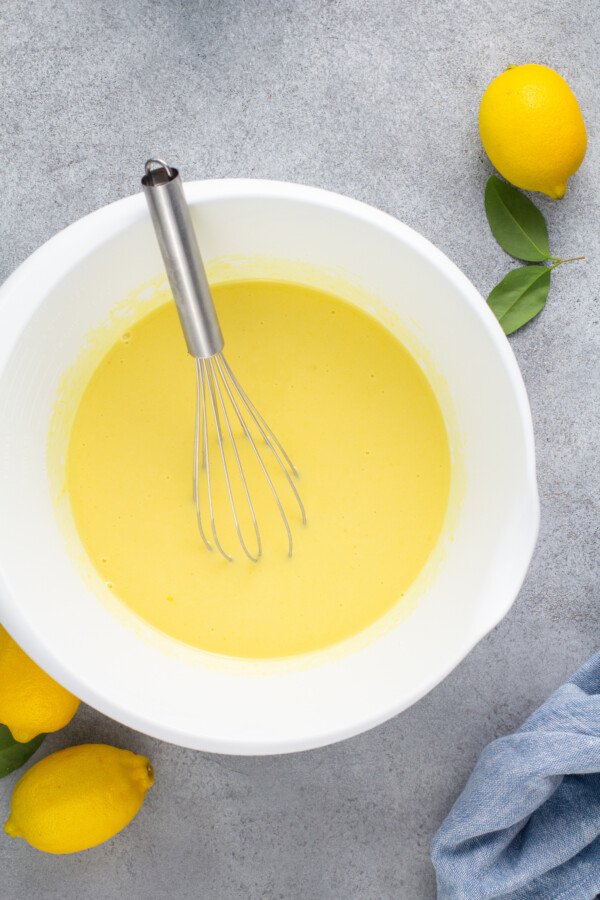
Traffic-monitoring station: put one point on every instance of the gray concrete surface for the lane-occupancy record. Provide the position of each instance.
(376, 99)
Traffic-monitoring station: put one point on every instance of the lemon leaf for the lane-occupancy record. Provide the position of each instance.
(520, 296)
(516, 223)
(12, 753)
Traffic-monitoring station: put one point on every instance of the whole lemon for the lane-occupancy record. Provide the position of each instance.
(532, 129)
(78, 798)
(30, 701)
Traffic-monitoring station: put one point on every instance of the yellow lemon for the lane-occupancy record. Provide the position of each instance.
(30, 701)
(78, 798)
(532, 129)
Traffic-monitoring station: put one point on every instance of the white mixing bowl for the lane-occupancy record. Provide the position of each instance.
(173, 692)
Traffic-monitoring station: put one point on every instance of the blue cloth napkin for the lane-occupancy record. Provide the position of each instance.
(527, 825)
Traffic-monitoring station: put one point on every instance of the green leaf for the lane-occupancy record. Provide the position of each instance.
(516, 223)
(520, 296)
(12, 753)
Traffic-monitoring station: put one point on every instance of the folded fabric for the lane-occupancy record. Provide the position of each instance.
(527, 824)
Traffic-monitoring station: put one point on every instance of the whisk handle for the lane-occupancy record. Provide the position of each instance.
(179, 248)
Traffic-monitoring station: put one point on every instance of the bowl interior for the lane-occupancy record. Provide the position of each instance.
(121, 666)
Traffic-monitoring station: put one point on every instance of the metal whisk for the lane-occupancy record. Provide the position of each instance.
(222, 405)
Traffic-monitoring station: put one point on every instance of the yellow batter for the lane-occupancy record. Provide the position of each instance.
(358, 417)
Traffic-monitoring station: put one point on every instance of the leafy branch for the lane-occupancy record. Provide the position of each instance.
(520, 229)
(12, 753)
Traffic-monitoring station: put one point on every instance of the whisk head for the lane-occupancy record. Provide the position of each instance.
(226, 417)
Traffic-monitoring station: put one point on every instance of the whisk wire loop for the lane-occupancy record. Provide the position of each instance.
(200, 431)
(267, 434)
(215, 382)
(215, 389)
(202, 387)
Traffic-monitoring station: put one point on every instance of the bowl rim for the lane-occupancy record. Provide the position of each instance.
(83, 237)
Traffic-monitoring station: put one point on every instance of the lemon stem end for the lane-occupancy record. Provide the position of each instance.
(11, 829)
